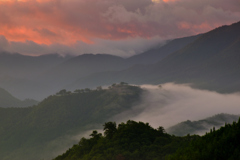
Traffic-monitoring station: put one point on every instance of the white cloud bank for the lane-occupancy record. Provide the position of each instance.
(171, 103)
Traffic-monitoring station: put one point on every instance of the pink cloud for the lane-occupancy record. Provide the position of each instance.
(69, 21)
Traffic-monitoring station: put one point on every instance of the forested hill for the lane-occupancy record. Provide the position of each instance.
(222, 144)
(138, 140)
(127, 141)
(38, 132)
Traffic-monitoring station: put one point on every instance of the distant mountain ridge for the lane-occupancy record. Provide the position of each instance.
(202, 126)
(158, 53)
(36, 77)
(20, 66)
(209, 62)
(82, 66)
(18, 73)
(7, 100)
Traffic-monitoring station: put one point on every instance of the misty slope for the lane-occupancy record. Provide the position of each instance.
(81, 66)
(18, 72)
(210, 62)
(201, 126)
(7, 100)
(41, 131)
(21, 66)
(158, 53)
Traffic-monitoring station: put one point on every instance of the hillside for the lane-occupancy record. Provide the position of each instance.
(202, 126)
(217, 144)
(157, 53)
(129, 141)
(7, 100)
(137, 140)
(210, 62)
(36, 132)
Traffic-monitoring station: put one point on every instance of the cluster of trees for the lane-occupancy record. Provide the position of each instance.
(64, 92)
(127, 141)
(137, 140)
(222, 144)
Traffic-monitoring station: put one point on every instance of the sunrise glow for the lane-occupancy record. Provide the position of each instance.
(48, 22)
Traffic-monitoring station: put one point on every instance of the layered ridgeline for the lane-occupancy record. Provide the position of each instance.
(38, 76)
(47, 129)
(202, 126)
(7, 100)
(19, 73)
(210, 62)
(138, 140)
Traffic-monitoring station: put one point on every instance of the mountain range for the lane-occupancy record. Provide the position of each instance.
(35, 77)
(209, 62)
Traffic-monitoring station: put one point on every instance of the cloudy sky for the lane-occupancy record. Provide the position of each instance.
(118, 27)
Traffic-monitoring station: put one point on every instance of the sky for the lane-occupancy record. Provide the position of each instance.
(117, 27)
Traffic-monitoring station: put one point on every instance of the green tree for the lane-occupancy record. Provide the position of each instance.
(109, 129)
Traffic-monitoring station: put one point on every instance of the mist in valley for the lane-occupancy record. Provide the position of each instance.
(164, 105)
(169, 104)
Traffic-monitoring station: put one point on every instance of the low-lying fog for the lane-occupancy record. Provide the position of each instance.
(169, 104)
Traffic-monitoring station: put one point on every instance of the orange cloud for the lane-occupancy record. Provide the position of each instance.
(68, 21)
(39, 21)
(169, 0)
(158, 1)
(196, 28)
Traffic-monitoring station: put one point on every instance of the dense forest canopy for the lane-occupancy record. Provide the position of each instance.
(137, 140)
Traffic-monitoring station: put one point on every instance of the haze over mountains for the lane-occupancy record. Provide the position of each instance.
(7, 100)
(209, 61)
(49, 128)
(146, 68)
(202, 126)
